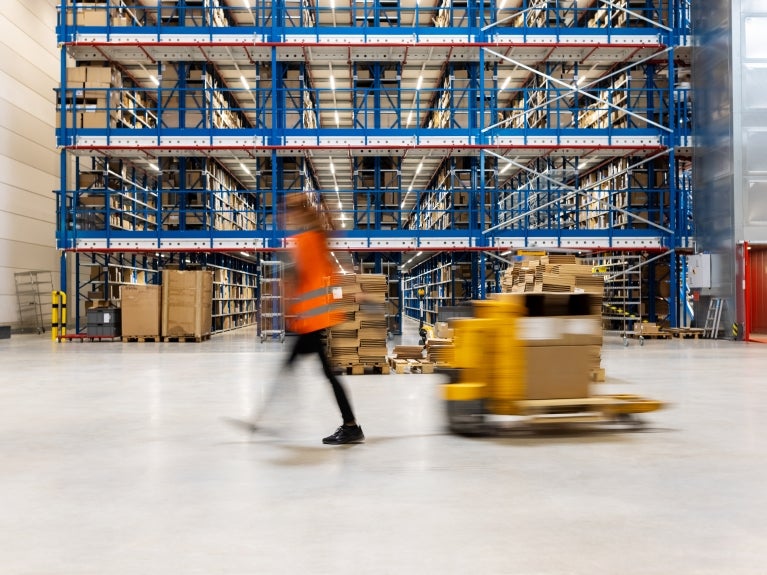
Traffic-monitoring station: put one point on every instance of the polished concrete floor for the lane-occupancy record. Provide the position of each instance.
(126, 459)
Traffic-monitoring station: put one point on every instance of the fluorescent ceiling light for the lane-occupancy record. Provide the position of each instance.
(418, 169)
(419, 253)
(245, 168)
(420, 81)
(338, 121)
(155, 81)
(505, 83)
(155, 167)
(332, 168)
(332, 82)
(506, 168)
(244, 83)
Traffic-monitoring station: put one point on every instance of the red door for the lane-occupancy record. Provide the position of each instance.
(756, 291)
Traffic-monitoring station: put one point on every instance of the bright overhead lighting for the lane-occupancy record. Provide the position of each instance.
(505, 83)
(340, 205)
(419, 254)
(332, 168)
(246, 3)
(244, 83)
(155, 167)
(155, 81)
(402, 205)
(244, 168)
(332, 5)
(420, 81)
(410, 188)
(506, 168)
(418, 169)
(409, 119)
(338, 120)
(336, 188)
(332, 82)
(343, 224)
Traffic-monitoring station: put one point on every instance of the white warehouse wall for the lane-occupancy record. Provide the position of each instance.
(29, 160)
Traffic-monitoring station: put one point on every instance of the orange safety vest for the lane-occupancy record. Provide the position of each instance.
(313, 306)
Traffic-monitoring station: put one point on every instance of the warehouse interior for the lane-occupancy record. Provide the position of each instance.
(465, 156)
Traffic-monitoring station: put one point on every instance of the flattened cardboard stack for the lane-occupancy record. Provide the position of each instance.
(561, 273)
(372, 316)
(187, 303)
(361, 338)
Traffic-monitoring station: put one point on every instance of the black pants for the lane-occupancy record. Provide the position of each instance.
(311, 343)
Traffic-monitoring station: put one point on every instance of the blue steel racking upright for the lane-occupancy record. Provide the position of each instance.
(420, 126)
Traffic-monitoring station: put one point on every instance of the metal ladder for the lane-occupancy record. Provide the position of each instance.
(713, 317)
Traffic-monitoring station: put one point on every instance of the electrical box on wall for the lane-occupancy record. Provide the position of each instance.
(699, 271)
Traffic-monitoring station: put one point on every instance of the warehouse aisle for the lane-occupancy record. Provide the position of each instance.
(118, 458)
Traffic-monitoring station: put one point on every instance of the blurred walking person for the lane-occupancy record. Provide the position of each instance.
(311, 309)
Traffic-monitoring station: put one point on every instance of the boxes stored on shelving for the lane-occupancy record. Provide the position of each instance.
(187, 303)
(141, 310)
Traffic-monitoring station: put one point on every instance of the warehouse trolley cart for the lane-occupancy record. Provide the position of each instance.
(33, 293)
(531, 356)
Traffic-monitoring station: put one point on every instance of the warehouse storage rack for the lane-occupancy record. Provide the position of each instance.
(468, 127)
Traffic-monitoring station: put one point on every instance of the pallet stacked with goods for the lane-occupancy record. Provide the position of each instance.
(561, 273)
(358, 344)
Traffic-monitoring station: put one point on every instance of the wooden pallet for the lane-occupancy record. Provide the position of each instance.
(186, 338)
(653, 335)
(411, 365)
(686, 332)
(141, 338)
(597, 374)
(362, 368)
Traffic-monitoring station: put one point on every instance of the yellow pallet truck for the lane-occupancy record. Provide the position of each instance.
(489, 378)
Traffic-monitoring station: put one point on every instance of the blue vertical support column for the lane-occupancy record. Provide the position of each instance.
(677, 223)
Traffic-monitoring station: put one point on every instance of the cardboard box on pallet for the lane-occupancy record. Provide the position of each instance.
(141, 310)
(557, 372)
(562, 339)
(187, 303)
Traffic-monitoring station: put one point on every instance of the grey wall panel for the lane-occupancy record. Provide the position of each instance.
(754, 92)
(714, 161)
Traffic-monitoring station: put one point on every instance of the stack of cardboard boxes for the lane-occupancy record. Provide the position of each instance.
(361, 338)
(90, 103)
(180, 308)
(562, 274)
(562, 338)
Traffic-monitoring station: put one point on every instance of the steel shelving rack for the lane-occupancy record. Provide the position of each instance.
(468, 127)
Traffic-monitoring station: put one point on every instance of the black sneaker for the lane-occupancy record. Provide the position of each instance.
(345, 434)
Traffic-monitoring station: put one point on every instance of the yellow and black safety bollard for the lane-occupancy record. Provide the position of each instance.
(58, 315)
